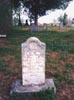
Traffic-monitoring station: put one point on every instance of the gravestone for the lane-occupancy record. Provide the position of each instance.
(61, 26)
(45, 26)
(33, 62)
(33, 69)
(34, 28)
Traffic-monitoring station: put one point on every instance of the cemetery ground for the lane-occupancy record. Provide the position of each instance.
(59, 61)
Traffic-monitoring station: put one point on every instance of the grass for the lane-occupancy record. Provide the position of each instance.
(3, 66)
(48, 94)
(65, 29)
(55, 41)
(59, 56)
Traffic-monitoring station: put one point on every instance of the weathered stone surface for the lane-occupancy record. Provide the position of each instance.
(33, 62)
(18, 88)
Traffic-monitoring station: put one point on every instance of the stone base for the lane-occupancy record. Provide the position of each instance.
(19, 89)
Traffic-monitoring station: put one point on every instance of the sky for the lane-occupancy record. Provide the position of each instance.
(53, 15)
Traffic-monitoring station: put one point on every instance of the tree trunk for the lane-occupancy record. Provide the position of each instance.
(19, 20)
(5, 17)
(36, 19)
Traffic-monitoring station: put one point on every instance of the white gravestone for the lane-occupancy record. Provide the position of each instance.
(33, 69)
(33, 62)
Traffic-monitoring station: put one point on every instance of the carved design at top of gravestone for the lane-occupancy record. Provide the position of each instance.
(33, 62)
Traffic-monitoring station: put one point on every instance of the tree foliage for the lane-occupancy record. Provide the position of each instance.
(16, 4)
(39, 7)
(63, 19)
(16, 9)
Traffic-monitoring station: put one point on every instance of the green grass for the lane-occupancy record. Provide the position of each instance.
(3, 66)
(70, 66)
(47, 94)
(55, 41)
(61, 42)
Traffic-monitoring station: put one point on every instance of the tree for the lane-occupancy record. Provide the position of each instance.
(39, 7)
(5, 17)
(63, 19)
(16, 9)
(60, 19)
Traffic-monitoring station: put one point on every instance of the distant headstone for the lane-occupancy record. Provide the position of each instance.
(45, 26)
(61, 26)
(34, 28)
(33, 62)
